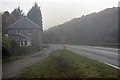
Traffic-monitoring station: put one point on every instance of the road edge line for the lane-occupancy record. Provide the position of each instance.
(112, 65)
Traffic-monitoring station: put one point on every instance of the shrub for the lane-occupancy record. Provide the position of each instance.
(11, 47)
(26, 50)
(5, 47)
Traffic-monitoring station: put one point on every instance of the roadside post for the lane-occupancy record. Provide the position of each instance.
(63, 40)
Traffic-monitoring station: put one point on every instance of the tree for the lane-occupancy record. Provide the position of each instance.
(92, 29)
(18, 13)
(34, 14)
(7, 13)
(7, 20)
(5, 47)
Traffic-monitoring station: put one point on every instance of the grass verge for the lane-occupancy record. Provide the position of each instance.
(66, 64)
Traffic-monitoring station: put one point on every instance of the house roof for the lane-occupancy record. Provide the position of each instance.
(24, 23)
(20, 36)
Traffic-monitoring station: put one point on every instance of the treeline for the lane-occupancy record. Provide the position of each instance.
(95, 28)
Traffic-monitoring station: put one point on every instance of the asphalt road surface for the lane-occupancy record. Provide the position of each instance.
(108, 56)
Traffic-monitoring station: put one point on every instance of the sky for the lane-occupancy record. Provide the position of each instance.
(56, 12)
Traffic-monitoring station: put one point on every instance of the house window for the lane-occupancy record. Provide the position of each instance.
(29, 33)
(21, 42)
(25, 42)
(18, 31)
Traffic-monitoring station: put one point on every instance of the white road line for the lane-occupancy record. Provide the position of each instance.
(104, 48)
(99, 60)
(112, 65)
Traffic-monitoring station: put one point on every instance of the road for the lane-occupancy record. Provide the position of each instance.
(108, 56)
(105, 55)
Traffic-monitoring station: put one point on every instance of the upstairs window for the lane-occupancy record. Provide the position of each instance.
(18, 31)
(25, 42)
(29, 32)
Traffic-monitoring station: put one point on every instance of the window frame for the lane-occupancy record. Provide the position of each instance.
(26, 42)
(21, 43)
(18, 32)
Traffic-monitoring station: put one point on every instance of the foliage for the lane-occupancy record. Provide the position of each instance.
(10, 18)
(14, 49)
(18, 13)
(50, 37)
(22, 52)
(9, 50)
(7, 13)
(5, 47)
(27, 50)
(6, 21)
(101, 27)
(34, 14)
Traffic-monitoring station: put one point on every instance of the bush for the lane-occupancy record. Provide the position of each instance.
(5, 47)
(15, 47)
(26, 50)
(10, 47)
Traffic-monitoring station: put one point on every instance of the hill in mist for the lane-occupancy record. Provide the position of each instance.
(101, 27)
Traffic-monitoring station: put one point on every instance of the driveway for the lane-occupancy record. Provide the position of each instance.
(15, 68)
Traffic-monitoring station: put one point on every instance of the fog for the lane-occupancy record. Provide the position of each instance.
(55, 12)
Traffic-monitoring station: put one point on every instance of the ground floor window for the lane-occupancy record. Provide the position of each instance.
(25, 42)
(21, 42)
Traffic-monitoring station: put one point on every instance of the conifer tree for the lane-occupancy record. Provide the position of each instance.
(34, 14)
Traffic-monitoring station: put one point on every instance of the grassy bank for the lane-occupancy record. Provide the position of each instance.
(66, 64)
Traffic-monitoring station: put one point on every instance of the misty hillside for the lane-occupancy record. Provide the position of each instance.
(101, 27)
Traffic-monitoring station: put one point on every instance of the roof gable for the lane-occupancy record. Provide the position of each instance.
(24, 23)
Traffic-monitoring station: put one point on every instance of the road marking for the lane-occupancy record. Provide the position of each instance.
(112, 65)
(104, 48)
(97, 60)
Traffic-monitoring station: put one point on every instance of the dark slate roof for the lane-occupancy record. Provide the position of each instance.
(20, 36)
(24, 23)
